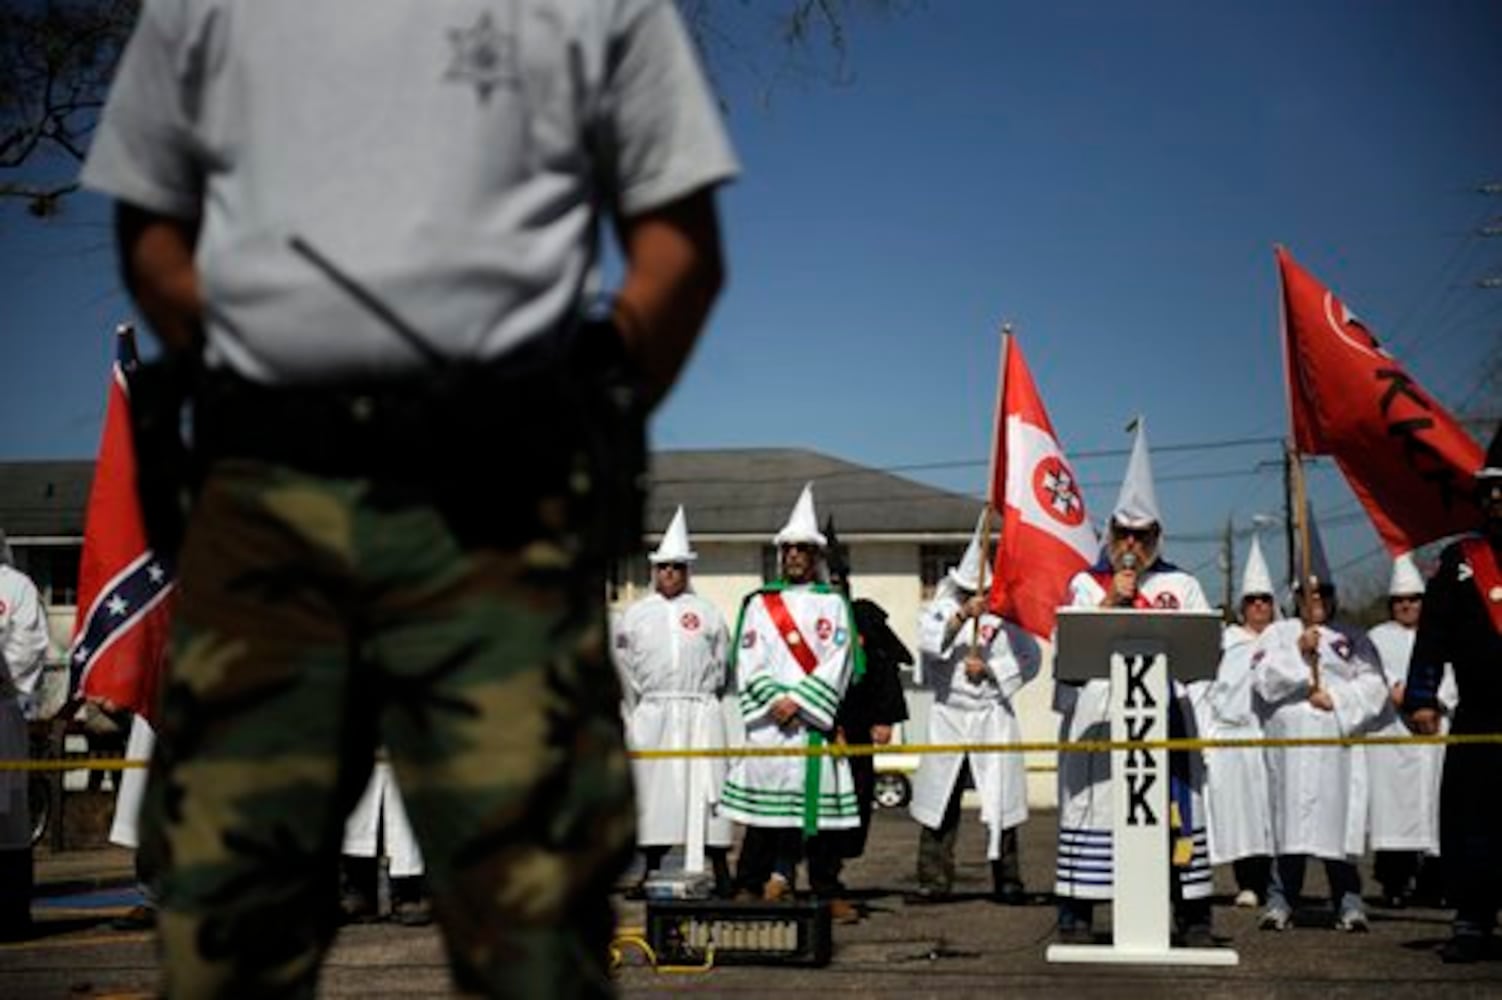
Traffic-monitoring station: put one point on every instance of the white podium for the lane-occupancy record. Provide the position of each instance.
(1137, 648)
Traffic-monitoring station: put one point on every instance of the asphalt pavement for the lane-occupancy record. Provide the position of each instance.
(970, 946)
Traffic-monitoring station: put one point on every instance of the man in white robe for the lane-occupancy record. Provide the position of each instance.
(671, 649)
(23, 652)
(1316, 678)
(794, 656)
(975, 663)
(125, 826)
(1240, 809)
(1404, 807)
(1130, 574)
(378, 826)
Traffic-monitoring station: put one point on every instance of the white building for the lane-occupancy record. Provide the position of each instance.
(902, 536)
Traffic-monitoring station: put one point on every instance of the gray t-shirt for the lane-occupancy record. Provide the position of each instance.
(451, 156)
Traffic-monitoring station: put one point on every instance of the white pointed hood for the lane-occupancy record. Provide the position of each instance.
(967, 573)
(1137, 504)
(674, 546)
(803, 522)
(1255, 579)
(1406, 578)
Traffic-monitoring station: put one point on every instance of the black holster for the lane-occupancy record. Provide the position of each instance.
(166, 475)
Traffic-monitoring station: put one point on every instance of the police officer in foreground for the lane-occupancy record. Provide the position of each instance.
(1461, 624)
(369, 229)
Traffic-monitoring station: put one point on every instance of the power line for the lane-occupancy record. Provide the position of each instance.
(972, 463)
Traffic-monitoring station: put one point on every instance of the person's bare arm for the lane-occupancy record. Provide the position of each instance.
(674, 272)
(156, 261)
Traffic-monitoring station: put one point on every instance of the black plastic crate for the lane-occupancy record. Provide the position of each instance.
(681, 931)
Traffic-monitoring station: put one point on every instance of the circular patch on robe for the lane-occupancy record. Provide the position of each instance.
(825, 628)
(1495, 594)
(1166, 601)
(1057, 492)
(689, 621)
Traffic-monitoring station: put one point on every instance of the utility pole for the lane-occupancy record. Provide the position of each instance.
(1228, 569)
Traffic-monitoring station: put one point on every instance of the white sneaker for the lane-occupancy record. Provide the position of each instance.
(1246, 899)
(1352, 922)
(1275, 919)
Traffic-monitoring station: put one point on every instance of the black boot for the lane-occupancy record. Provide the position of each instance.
(1006, 872)
(15, 894)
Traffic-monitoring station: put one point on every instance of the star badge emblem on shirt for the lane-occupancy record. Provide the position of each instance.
(483, 56)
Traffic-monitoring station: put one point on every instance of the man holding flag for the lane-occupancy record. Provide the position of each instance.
(125, 598)
(1461, 625)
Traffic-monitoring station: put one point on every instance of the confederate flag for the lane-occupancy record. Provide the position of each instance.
(1046, 537)
(1408, 461)
(124, 591)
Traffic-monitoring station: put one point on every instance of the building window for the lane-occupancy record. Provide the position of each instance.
(933, 562)
(54, 570)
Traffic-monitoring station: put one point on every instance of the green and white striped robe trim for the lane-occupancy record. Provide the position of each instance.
(788, 805)
(821, 702)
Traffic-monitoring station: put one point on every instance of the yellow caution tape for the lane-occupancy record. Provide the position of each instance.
(867, 750)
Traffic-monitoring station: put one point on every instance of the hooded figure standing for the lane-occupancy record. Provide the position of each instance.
(1130, 574)
(1317, 678)
(1404, 807)
(23, 650)
(975, 664)
(869, 709)
(795, 655)
(1240, 810)
(1462, 625)
(671, 648)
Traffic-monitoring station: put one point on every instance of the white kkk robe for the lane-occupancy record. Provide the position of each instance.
(1084, 869)
(1319, 794)
(672, 657)
(1404, 779)
(380, 820)
(770, 791)
(1239, 804)
(125, 828)
(973, 711)
(23, 654)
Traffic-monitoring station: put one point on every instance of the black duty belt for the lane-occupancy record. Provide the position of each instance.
(449, 424)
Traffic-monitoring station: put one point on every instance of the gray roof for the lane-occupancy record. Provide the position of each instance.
(751, 491)
(739, 491)
(44, 498)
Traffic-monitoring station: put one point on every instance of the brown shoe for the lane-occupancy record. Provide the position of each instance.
(843, 912)
(412, 912)
(358, 908)
(138, 918)
(777, 890)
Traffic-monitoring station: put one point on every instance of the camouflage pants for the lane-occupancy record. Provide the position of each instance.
(319, 617)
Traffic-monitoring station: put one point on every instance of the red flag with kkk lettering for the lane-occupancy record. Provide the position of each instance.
(1046, 537)
(1407, 459)
(125, 592)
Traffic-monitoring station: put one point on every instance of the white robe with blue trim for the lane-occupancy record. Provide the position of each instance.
(1084, 866)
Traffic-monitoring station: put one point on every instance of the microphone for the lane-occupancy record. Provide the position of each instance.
(1128, 563)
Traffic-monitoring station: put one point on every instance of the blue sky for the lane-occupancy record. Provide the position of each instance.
(1110, 177)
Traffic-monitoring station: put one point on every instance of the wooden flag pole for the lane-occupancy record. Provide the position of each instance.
(1306, 573)
(996, 428)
